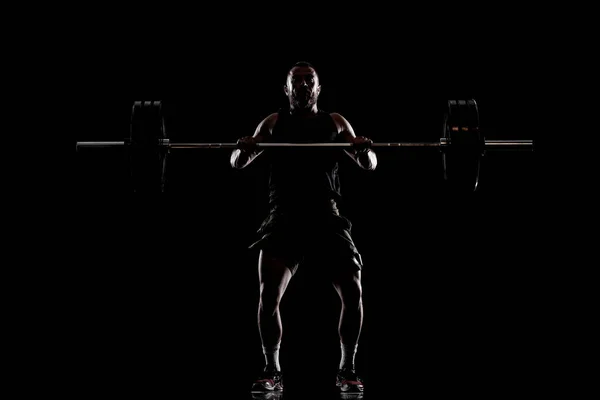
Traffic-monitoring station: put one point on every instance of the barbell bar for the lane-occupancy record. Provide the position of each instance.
(489, 144)
(462, 145)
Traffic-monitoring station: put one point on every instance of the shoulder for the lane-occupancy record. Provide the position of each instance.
(341, 122)
(265, 127)
(270, 119)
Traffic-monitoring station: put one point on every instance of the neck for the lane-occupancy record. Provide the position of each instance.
(308, 111)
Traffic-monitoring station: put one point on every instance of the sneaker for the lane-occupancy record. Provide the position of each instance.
(350, 396)
(274, 395)
(268, 381)
(348, 382)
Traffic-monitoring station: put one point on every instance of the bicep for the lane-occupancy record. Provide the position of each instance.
(263, 131)
(344, 129)
(345, 135)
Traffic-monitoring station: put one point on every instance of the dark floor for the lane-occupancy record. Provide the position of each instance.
(163, 312)
(395, 366)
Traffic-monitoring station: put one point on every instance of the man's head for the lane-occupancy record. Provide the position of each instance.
(302, 86)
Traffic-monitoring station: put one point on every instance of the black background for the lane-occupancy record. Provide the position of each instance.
(166, 290)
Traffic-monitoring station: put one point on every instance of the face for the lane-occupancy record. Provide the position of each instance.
(302, 87)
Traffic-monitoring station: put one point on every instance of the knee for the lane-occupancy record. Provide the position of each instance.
(351, 295)
(269, 300)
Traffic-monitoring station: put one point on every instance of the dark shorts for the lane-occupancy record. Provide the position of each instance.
(320, 237)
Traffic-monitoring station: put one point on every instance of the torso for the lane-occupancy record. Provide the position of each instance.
(304, 177)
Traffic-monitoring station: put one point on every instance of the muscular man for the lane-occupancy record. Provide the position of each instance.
(304, 223)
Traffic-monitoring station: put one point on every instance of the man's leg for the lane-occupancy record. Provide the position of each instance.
(347, 283)
(274, 274)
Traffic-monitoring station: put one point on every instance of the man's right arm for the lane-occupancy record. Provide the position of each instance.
(247, 151)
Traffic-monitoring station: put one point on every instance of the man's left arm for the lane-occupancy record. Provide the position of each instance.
(361, 152)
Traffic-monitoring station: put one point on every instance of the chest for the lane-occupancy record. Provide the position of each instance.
(320, 129)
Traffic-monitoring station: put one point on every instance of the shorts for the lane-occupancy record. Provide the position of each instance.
(322, 237)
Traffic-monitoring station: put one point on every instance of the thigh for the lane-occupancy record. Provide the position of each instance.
(274, 271)
(339, 267)
(334, 248)
(281, 240)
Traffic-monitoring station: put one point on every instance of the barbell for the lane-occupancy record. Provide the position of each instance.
(462, 145)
